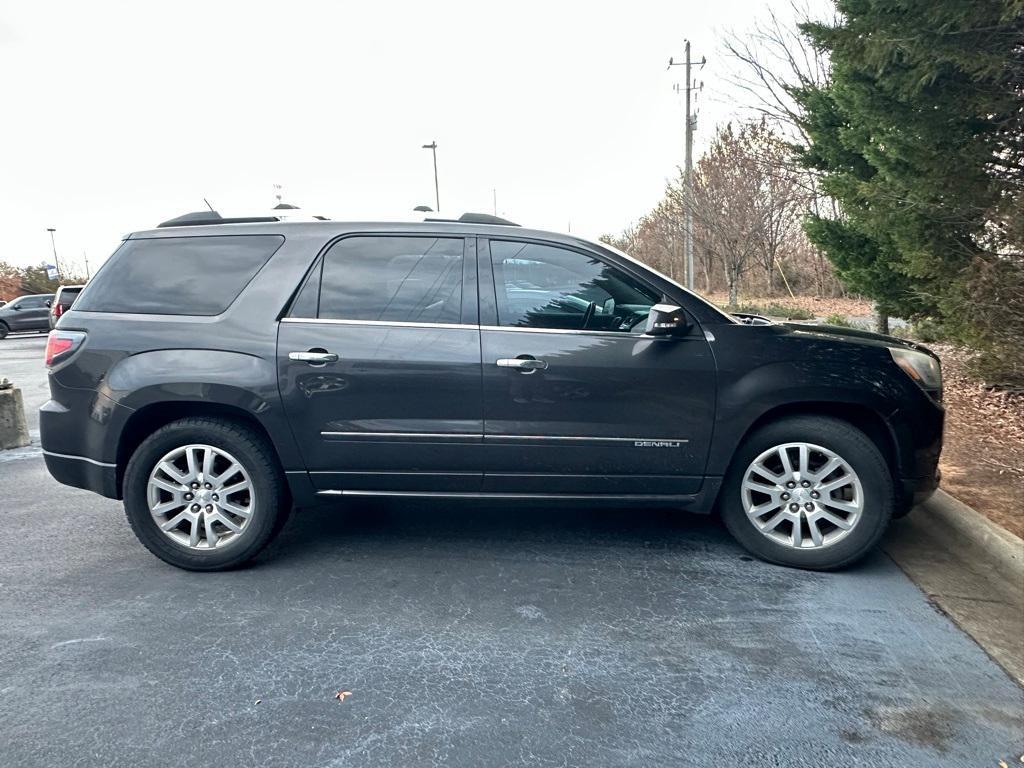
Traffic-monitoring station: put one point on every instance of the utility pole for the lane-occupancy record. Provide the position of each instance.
(432, 146)
(53, 242)
(85, 258)
(691, 125)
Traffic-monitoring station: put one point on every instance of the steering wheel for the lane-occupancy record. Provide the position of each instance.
(588, 315)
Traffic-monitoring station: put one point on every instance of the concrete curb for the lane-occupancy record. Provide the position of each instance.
(1006, 550)
(970, 569)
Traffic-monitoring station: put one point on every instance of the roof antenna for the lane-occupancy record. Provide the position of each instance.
(208, 205)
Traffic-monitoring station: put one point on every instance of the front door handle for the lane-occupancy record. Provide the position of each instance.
(314, 357)
(522, 364)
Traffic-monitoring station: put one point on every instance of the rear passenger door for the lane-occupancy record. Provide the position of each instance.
(379, 365)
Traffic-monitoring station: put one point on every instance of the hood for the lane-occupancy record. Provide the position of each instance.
(855, 335)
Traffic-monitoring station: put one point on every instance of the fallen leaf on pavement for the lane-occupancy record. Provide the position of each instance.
(342, 695)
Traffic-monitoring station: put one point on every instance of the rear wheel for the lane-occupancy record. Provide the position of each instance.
(810, 492)
(205, 494)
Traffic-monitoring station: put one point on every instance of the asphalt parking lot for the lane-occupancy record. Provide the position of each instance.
(511, 635)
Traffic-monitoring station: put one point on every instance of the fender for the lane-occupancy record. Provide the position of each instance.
(796, 387)
(215, 377)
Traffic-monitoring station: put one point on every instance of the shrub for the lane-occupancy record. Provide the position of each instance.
(772, 310)
(929, 330)
(840, 320)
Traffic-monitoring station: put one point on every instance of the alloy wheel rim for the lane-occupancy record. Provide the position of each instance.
(803, 496)
(201, 497)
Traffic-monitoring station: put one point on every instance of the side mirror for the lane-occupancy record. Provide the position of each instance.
(49, 304)
(666, 320)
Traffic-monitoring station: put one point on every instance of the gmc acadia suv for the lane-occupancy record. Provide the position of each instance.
(214, 375)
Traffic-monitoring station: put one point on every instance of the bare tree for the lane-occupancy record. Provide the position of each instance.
(726, 207)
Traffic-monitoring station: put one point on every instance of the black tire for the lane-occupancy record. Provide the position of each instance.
(4, 330)
(850, 444)
(260, 462)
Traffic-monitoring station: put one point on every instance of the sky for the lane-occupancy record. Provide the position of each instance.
(117, 116)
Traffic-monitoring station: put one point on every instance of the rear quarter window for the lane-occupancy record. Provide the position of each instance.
(178, 275)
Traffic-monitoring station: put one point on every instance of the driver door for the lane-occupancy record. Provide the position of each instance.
(576, 398)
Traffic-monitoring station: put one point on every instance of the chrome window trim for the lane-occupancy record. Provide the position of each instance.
(613, 334)
(404, 324)
(78, 458)
(381, 323)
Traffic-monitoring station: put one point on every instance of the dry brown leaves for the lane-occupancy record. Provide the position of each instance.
(983, 456)
(821, 307)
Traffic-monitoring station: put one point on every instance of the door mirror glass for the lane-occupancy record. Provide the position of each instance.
(667, 320)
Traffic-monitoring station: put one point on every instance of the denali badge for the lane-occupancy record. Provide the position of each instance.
(657, 443)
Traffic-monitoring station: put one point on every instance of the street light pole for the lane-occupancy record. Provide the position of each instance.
(691, 125)
(432, 146)
(53, 242)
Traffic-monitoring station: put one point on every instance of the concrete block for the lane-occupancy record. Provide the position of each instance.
(13, 427)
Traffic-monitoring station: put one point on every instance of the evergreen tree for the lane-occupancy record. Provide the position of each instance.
(919, 136)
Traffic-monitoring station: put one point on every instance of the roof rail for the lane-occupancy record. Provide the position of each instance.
(199, 218)
(477, 218)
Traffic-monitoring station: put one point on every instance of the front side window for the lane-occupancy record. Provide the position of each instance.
(542, 286)
(389, 279)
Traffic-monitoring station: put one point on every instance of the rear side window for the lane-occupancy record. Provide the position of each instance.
(178, 275)
(387, 279)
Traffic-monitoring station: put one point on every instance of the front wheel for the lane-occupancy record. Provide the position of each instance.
(4, 330)
(205, 494)
(810, 492)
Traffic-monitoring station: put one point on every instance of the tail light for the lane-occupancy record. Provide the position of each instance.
(61, 344)
(58, 309)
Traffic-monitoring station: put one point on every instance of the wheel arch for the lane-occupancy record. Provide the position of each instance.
(869, 421)
(146, 420)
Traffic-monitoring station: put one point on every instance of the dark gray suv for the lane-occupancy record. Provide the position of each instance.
(26, 313)
(215, 375)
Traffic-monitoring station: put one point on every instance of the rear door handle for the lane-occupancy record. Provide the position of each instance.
(313, 357)
(522, 364)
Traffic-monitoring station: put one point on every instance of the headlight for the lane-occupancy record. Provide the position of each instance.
(922, 368)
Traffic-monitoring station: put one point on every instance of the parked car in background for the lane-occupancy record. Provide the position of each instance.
(26, 313)
(214, 374)
(62, 301)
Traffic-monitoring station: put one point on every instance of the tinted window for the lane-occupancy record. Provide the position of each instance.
(391, 279)
(178, 275)
(68, 296)
(540, 286)
(33, 302)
